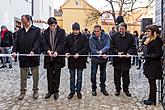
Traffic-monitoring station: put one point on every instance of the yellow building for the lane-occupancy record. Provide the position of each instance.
(75, 11)
(79, 10)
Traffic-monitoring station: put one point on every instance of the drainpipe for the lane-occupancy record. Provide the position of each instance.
(32, 13)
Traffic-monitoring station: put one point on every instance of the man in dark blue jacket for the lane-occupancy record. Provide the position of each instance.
(99, 45)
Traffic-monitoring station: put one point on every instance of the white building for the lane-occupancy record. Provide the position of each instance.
(43, 9)
(158, 12)
(11, 11)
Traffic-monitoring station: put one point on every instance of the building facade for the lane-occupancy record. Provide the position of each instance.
(11, 11)
(158, 12)
(76, 11)
(80, 10)
(43, 9)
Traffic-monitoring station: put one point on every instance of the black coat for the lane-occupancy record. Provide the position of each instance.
(122, 44)
(27, 42)
(77, 44)
(59, 61)
(8, 39)
(152, 65)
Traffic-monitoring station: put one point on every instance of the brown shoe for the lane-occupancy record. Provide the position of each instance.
(22, 95)
(35, 94)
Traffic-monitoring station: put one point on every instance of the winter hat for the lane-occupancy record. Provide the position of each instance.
(3, 27)
(75, 26)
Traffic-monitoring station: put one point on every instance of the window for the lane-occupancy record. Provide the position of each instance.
(77, 2)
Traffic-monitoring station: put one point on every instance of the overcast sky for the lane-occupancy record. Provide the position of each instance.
(96, 3)
(99, 4)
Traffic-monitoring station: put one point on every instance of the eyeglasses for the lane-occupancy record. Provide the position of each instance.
(148, 31)
(96, 31)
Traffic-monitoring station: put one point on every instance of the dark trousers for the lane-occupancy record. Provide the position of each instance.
(94, 68)
(78, 84)
(135, 61)
(118, 73)
(152, 95)
(53, 78)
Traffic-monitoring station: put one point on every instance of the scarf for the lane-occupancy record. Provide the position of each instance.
(3, 33)
(150, 38)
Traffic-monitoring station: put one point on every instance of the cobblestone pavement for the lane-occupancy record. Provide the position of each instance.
(10, 82)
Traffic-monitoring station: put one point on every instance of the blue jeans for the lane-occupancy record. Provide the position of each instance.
(6, 50)
(78, 85)
(94, 68)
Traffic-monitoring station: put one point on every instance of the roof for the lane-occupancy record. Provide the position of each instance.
(66, 1)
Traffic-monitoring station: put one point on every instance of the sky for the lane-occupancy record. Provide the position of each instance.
(99, 4)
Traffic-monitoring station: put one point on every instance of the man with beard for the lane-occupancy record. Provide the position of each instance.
(122, 43)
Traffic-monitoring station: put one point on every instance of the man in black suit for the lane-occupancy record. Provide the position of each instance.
(53, 45)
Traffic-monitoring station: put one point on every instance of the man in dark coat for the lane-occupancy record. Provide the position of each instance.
(27, 42)
(99, 45)
(53, 45)
(14, 37)
(122, 43)
(76, 44)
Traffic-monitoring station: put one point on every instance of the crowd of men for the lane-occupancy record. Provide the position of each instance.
(76, 47)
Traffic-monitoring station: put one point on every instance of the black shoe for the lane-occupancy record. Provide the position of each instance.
(79, 95)
(70, 95)
(138, 68)
(105, 92)
(149, 102)
(94, 92)
(48, 95)
(117, 93)
(128, 93)
(3, 66)
(10, 66)
(56, 96)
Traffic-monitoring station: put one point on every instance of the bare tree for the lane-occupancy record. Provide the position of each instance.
(121, 8)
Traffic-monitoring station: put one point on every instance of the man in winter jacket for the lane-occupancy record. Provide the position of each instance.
(122, 43)
(76, 45)
(6, 43)
(28, 42)
(99, 46)
(53, 45)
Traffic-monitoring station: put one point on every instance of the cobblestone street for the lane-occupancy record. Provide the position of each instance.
(10, 83)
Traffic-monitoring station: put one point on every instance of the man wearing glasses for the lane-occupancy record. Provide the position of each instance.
(28, 42)
(122, 44)
(99, 44)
